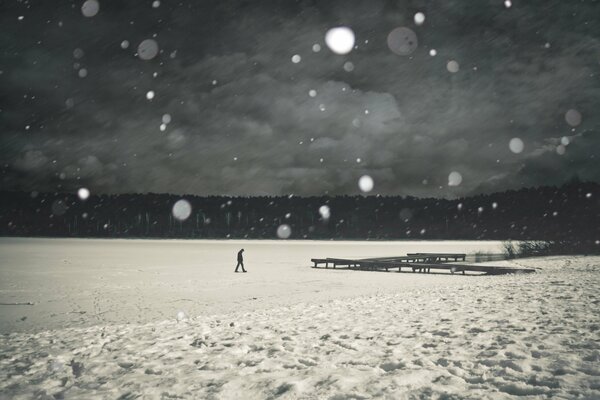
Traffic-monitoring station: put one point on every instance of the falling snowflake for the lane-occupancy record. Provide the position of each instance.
(284, 231)
(182, 209)
(147, 49)
(365, 183)
(90, 8)
(78, 53)
(83, 193)
(454, 178)
(340, 40)
(516, 145)
(402, 41)
(325, 212)
(573, 117)
(452, 66)
(419, 18)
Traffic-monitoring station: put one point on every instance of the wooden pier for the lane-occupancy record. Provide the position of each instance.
(418, 262)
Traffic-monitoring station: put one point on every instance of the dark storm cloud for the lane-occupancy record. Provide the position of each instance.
(256, 130)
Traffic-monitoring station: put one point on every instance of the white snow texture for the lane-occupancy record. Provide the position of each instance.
(170, 319)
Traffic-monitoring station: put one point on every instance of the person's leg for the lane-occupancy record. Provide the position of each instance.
(237, 267)
(243, 270)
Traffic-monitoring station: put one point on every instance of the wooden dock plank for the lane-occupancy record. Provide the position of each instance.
(440, 256)
(387, 263)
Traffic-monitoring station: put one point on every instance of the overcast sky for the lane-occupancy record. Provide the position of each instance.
(75, 110)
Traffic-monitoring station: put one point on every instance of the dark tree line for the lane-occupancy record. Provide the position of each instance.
(570, 212)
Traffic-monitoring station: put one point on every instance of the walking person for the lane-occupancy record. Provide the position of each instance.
(240, 260)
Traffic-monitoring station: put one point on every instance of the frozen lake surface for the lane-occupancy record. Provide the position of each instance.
(75, 282)
(162, 319)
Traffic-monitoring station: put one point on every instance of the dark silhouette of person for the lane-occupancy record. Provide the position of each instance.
(240, 261)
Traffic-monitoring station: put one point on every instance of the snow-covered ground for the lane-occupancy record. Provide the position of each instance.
(169, 319)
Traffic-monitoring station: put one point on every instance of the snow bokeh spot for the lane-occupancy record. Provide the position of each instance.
(148, 49)
(59, 207)
(296, 58)
(284, 231)
(365, 183)
(402, 41)
(433, 52)
(78, 53)
(325, 212)
(419, 18)
(573, 117)
(124, 44)
(182, 209)
(340, 40)
(516, 145)
(454, 178)
(312, 93)
(83, 193)
(150, 94)
(90, 8)
(452, 66)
